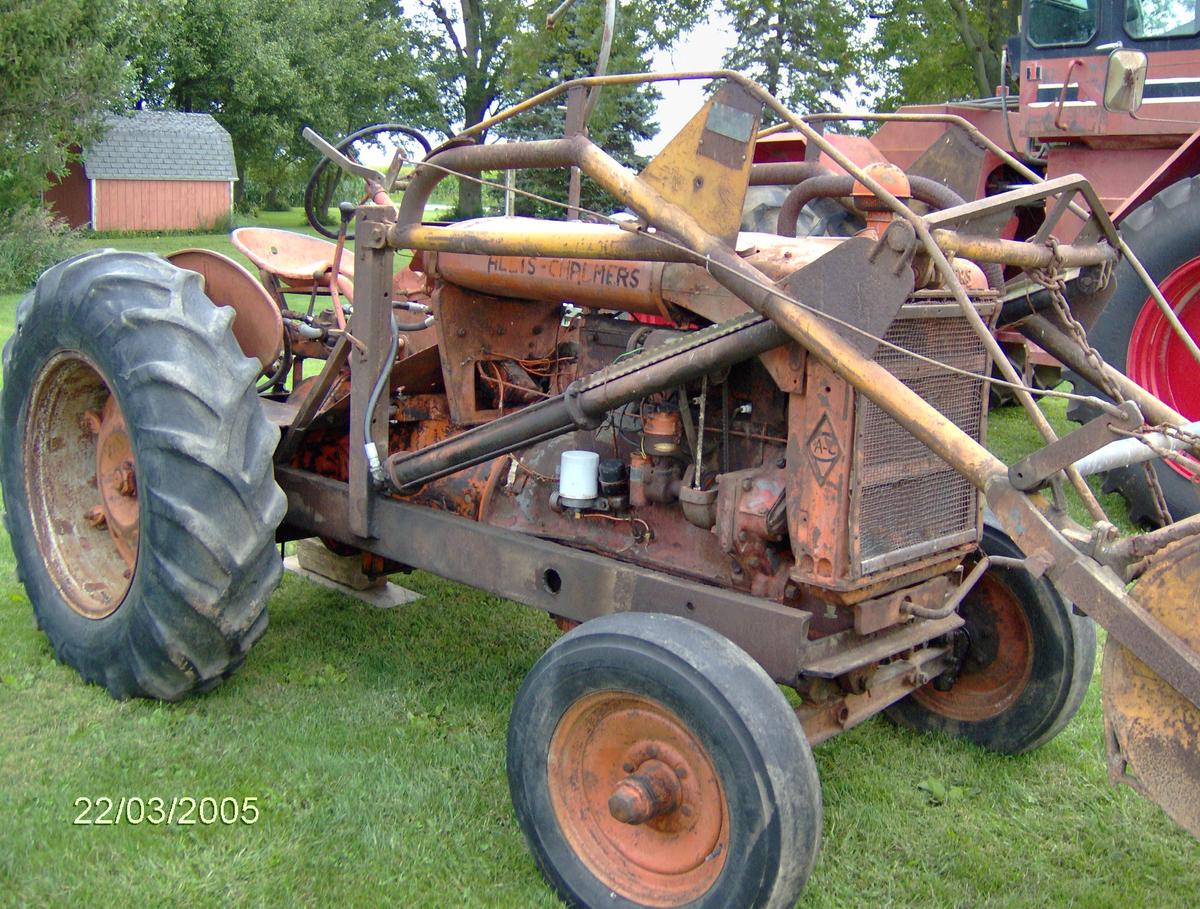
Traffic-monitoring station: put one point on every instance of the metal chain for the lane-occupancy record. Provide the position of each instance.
(1051, 279)
(1056, 286)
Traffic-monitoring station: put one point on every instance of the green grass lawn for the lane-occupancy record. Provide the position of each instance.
(374, 744)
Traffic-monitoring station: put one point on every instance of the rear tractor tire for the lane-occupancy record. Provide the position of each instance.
(1025, 667)
(1133, 335)
(653, 763)
(137, 473)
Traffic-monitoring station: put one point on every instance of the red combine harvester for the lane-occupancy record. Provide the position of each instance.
(1109, 89)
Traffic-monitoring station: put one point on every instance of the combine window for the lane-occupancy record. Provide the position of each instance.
(1161, 18)
(1058, 22)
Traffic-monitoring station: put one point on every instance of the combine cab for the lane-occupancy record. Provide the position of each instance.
(781, 479)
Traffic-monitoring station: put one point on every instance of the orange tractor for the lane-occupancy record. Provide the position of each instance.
(780, 480)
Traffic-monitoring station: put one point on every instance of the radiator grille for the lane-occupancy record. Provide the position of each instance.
(909, 502)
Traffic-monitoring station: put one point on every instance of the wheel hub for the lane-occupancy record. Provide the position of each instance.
(638, 798)
(997, 659)
(1158, 360)
(116, 478)
(81, 484)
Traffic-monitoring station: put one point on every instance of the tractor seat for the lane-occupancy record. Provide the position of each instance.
(290, 256)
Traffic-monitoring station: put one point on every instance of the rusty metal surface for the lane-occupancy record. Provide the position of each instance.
(292, 256)
(1000, 661)
(596, 283)
(1153, 732)
(836, 655)
(310, 401)
(588, 401)
(529, 569)
(906, 501)
(826, 716)
(1034, 470)
(257, 324)
(820, 455)
(705, 169)
(1097, 590)
(116, 480)
(1040, 329)
(80, 482)
(638, 798)
(518, 567)
(473, 331)
(371, 320)
(1017, 253)
(863, 282)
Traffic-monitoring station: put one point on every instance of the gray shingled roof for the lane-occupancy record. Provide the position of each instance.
(161, 145)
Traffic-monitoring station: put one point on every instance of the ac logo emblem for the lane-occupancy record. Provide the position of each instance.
(824, 451)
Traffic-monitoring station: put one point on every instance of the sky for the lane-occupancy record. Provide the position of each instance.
(700, 49)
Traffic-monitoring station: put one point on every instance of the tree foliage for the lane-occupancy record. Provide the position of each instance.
(480, 55)
(816, 54)
(808, 53)
(939, 50)
(265, 68)
(623, 115)
(62, 68)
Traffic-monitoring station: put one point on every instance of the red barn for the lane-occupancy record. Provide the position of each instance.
(152, 170)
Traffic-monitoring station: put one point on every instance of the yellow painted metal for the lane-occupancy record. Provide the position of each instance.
(530, 237)
(1153, 732)
(709, 183)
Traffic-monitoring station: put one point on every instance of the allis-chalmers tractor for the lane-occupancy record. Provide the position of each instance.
(1109, 89)
(736, 461)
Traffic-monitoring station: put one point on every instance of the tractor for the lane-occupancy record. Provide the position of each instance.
(1109, 89)
(723, 461)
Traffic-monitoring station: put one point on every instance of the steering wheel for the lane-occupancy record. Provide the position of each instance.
(314, 180)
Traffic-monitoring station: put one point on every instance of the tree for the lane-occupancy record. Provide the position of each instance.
(62, 68)
(623, 116)
(482, 54)
(969, 36)
(265, 68)
(805, 52)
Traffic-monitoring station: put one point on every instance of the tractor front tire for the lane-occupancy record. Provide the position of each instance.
(1132, 335)
(653, 763)
(1028, 662)
(137, 475)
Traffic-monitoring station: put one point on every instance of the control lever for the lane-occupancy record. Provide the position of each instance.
(329, 151)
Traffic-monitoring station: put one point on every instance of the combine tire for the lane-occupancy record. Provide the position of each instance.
(653, 763)
(1026, 667)
(137, 475)
(1132, 335)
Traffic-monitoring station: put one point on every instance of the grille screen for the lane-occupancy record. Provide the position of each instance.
(909, 501)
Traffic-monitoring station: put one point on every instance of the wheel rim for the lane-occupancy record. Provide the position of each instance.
(615, 753)
(999, 659)
(81, 485)
(1158, 360)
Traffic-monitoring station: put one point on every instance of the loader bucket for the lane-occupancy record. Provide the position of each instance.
(1152, 731)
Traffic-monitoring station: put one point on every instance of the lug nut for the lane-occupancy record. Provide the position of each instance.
(96, 518)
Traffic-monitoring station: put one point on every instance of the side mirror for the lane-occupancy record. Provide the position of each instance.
(1126, 80)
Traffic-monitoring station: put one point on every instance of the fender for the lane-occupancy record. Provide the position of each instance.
(1185, 162)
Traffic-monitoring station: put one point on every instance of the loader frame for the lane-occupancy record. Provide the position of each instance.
(358, 514)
